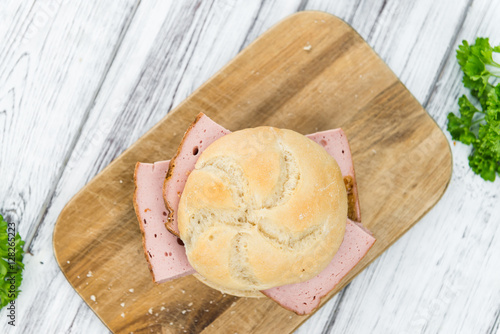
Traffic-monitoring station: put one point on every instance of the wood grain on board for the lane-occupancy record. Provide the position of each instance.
(311, 72)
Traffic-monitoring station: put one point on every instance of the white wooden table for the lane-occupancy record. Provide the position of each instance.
(82, 80)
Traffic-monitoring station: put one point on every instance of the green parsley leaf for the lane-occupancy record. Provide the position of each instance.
(478, 65)
(479, 128)
(460, 127)
(11, 265)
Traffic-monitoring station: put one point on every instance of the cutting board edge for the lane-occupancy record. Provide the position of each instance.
(180, 107)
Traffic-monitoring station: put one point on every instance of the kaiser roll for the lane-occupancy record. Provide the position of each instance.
(264, 207)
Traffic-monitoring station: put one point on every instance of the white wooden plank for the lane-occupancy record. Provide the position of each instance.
(441, 276)
(478, 217)
(54, 59)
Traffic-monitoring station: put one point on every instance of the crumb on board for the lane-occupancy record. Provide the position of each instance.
(92, 297)
(183, 311)
(68, 262)
(162, 308)
(89, 274)
(150, 310)
(123, 315)
(308, 47)
(121, 181)
(131, 290)
(190, 304)
(122, 304)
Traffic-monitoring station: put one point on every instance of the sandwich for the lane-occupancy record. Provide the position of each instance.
(259, 212)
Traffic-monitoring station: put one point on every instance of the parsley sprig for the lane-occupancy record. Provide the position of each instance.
(479, 127)
(11, 265)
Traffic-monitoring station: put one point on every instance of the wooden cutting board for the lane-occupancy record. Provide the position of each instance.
(309, 73)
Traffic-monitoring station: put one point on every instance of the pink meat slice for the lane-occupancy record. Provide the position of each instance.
(165, 252)
(336, 144)
(197, 138)
(303, 298)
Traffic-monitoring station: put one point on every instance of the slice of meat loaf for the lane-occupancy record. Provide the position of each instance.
(164, 252)
(202, 132)
(303, 298)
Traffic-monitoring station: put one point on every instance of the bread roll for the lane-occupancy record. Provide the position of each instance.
(264, 207)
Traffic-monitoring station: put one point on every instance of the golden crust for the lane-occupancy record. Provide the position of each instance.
(264, 207)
